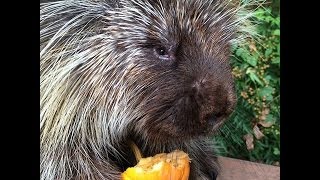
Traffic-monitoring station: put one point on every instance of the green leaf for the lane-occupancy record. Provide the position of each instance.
(268, 52)
(265, 91)
(239, 51)
(259, 14)
(252, 61)
(233, 47)
(267, 78)
(244, 66)
(269, 19)
(275, 60)
(276, 32)
(253, 76)
(278, 21)
(270, 118)
(276, 151)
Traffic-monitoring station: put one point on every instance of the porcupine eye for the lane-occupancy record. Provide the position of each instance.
(161, 52)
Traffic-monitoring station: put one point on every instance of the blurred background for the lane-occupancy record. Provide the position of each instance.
(253, 130)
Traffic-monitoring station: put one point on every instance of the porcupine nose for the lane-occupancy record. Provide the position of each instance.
(214, 99)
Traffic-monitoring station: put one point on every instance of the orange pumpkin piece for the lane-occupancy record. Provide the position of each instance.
(171, 166)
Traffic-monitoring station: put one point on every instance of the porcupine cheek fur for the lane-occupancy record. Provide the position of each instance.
(187, 90)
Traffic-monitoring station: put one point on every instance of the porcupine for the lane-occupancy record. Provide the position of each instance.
(152, 72)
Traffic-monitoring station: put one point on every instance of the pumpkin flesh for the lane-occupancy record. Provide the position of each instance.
(171, 166)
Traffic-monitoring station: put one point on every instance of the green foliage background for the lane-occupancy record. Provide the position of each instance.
(256, 68)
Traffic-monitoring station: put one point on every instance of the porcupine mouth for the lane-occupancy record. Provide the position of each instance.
(192, 120)
(206, 127)
(185, 128)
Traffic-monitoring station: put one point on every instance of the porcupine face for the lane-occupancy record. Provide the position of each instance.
(185, 83)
